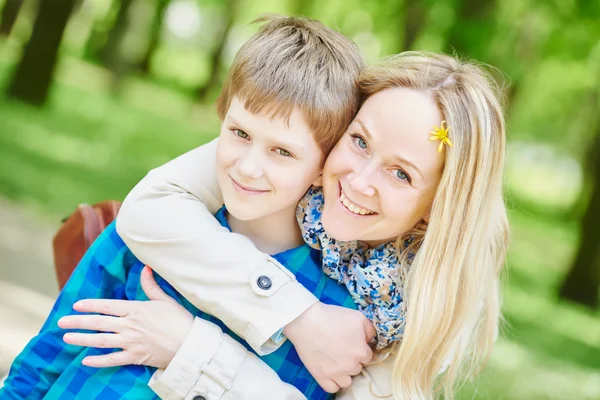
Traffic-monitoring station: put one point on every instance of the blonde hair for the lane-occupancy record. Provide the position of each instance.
(297, 62)
(453, 294)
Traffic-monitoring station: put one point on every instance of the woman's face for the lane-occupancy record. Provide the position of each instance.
(380, 179)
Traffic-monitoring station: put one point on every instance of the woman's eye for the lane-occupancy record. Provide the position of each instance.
(402, 175)
(240, 133)
(283, 152)
(360, 142)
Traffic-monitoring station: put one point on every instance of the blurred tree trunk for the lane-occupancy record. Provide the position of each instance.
(110, 53)
(414, 21)
(9, 15)
(528, 53)
(582, 282)
(93, 46)
(96, 40)
(33, 77)
(472, 25)
(155, 30)
(216, 56)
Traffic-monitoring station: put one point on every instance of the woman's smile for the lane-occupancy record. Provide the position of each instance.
(352, 207)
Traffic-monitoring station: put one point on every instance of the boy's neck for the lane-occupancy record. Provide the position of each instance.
(271, 234)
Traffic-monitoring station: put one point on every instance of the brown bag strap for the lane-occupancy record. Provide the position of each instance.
(115, 207)
(77, 234)
(93, 224)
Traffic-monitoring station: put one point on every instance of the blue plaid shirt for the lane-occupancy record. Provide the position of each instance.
(49, 368)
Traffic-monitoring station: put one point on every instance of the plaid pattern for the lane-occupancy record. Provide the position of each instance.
(49, 368)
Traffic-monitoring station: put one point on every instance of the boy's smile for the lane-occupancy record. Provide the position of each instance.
(247, 190)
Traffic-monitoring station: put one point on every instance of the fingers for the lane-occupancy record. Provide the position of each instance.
(118, 308)
(356, 370)
(369, 330)
(98, 340)
(328, 385)
(150, 287)
(115, 359)
(366, 357)
(344, 381)
(100, 323)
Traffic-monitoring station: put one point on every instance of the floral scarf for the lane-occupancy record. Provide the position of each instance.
(373, 276)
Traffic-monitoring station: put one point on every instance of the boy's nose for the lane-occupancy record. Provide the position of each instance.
(249, 166)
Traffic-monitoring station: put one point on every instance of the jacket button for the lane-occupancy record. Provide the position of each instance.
(264, 282)
(199, 398)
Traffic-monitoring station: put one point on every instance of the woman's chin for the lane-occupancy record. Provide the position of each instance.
(337, 230)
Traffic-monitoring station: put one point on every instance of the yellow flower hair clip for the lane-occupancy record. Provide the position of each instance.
(441, 134)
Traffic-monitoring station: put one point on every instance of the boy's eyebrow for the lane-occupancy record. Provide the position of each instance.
(235, 122)
(398, 157)
(296, 147)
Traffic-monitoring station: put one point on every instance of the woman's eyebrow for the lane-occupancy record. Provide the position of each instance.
(365, 130)
(403, 160)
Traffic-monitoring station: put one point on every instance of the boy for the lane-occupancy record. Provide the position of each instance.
(277, 128)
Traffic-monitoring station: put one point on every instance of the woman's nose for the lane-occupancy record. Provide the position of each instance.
(361, 181)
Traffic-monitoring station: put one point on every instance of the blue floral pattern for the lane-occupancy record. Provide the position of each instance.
(373, 276)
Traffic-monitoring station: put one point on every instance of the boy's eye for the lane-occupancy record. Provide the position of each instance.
(283, 152)
(403, 176)
(360, 141)
(240, 133)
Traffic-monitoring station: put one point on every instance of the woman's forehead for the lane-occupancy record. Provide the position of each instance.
(399, 123)
(414, 108)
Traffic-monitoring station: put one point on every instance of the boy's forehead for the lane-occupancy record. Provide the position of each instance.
(267, 109)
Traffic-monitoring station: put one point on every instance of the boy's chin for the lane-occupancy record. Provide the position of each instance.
(243, 213)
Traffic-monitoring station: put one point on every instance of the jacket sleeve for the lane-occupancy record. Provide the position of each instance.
(213, 365)
(167, 221)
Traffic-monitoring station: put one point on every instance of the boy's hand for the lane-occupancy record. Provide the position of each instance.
(333, 344)
(148, 332)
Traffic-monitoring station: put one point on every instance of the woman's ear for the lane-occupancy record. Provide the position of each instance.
(319, 180)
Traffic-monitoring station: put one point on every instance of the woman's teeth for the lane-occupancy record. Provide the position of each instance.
(353, 207)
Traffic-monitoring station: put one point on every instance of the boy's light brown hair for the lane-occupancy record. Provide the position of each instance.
(294, 62)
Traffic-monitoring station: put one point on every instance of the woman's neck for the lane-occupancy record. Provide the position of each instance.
(271, 234)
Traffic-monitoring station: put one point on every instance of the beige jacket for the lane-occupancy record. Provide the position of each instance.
(167, 221)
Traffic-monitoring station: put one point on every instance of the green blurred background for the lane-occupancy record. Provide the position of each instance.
(97, 92)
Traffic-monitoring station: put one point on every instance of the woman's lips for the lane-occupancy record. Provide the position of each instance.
(350, 207)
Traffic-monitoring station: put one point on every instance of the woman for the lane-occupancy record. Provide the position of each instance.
(383, 188)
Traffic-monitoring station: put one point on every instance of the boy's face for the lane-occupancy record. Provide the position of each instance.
(264, 165)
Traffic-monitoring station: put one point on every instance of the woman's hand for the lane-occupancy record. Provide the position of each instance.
(149, 332)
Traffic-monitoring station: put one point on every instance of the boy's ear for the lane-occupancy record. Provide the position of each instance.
(319, 180)
(426, 216)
